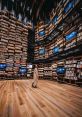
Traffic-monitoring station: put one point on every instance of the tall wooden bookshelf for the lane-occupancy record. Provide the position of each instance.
(63, 36)
(13, 43)
(63, 22)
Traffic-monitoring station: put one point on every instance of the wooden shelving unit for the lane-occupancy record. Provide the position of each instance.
(41, 71)
(64, 25)
(70, 74)
(54, 73)
(13, 43)
(64, 35)
(47, 71)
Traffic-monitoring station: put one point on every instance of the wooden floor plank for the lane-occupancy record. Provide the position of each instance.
(50, 99)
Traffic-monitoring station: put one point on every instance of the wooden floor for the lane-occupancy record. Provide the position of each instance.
(50, 99)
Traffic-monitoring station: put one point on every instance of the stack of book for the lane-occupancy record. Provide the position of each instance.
(40, 33)
(47, 72)
(41, 71)
(50, 49)
(79, 36)
(59, 12)
(36, 52)
(54, 73)
(71, 66)
(46, 52)
(41, 52)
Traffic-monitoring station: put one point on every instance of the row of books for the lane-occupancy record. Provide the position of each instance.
(70, 69)
(45, 71)
(71, 66)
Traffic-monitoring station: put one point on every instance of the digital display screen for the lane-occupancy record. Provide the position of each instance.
(71, 36)
(41, 51)
(60, 70)
(68, 7)
(29, 66)
(3, 66)
(55, 19)
(56, 50)
(23, 70)
(41, 33)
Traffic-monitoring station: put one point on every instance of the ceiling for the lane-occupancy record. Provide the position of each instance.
(34, 10)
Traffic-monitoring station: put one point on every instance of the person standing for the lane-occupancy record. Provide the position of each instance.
(35, 77)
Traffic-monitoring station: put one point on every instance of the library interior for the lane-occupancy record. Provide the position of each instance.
(40, 58)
